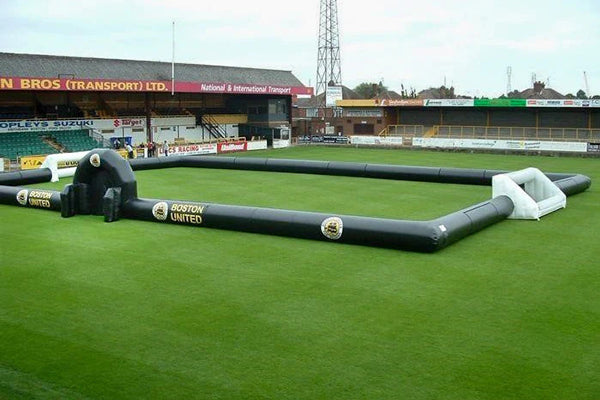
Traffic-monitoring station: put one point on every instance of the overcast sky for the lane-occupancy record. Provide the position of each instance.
(469, 43)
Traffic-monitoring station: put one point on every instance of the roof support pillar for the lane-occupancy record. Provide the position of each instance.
(149, 135)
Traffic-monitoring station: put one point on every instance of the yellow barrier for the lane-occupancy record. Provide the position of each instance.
(357, 103)
(222, 119)
(430, 132)
(122, 153)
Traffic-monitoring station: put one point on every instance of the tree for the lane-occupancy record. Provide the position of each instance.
(515, 94)
(444, 92)
(581, 94)
(368, 90)
(412, 94)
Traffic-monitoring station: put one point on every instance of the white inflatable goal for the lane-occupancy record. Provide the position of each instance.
(533, 193)
(57, 162)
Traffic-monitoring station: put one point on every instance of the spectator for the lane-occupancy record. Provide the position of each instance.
(150, 149)
(129, 150)
(166, 148)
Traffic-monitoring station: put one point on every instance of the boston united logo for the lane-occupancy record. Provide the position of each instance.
(95, 160)
(22, 197)
(160, 210)
(332, 228)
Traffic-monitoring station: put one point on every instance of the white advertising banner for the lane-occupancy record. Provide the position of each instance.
(63, 125)
(281, 143)
(257, 145)
(449, 103)
(377, 140)
(493, 144)
(558, 103)
(332, 94)
(100, 124)
(363, 113)
(563, 103)
(193, 149)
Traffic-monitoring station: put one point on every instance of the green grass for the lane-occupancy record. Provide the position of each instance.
(133, 309)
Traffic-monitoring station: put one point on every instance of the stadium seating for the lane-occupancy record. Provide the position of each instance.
(18, 144)
(72, 141)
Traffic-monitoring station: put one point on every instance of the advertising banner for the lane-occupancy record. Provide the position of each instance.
(469, 103)
(449, 103)
(115, 85)
(231, 147)
(544, 103)
(376, 140)
(32, 162)
(120, 122)
(499, 102)
(401, 103)
(256, 145)
(593, 147)
(193, 149)
(36, 125)
(76, 124)
(67, 164)
(492, 144)
(562, 103)
(329, 139)
(332, 94)
(333, 139)
(281, 143)
(363, 113)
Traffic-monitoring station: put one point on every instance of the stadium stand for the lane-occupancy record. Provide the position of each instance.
(33, 102)
(39, 91)
(15, 113)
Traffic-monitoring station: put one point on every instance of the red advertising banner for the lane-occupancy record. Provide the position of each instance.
(231, 147)
(114, 85)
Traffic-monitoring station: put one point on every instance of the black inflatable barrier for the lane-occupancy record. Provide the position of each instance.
(573, 184)
(104, 184)
(68, 201)
(25, 177)
(463, 176)
(33, 198)
(424, 236)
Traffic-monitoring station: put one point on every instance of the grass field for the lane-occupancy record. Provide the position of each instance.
(132, 309)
